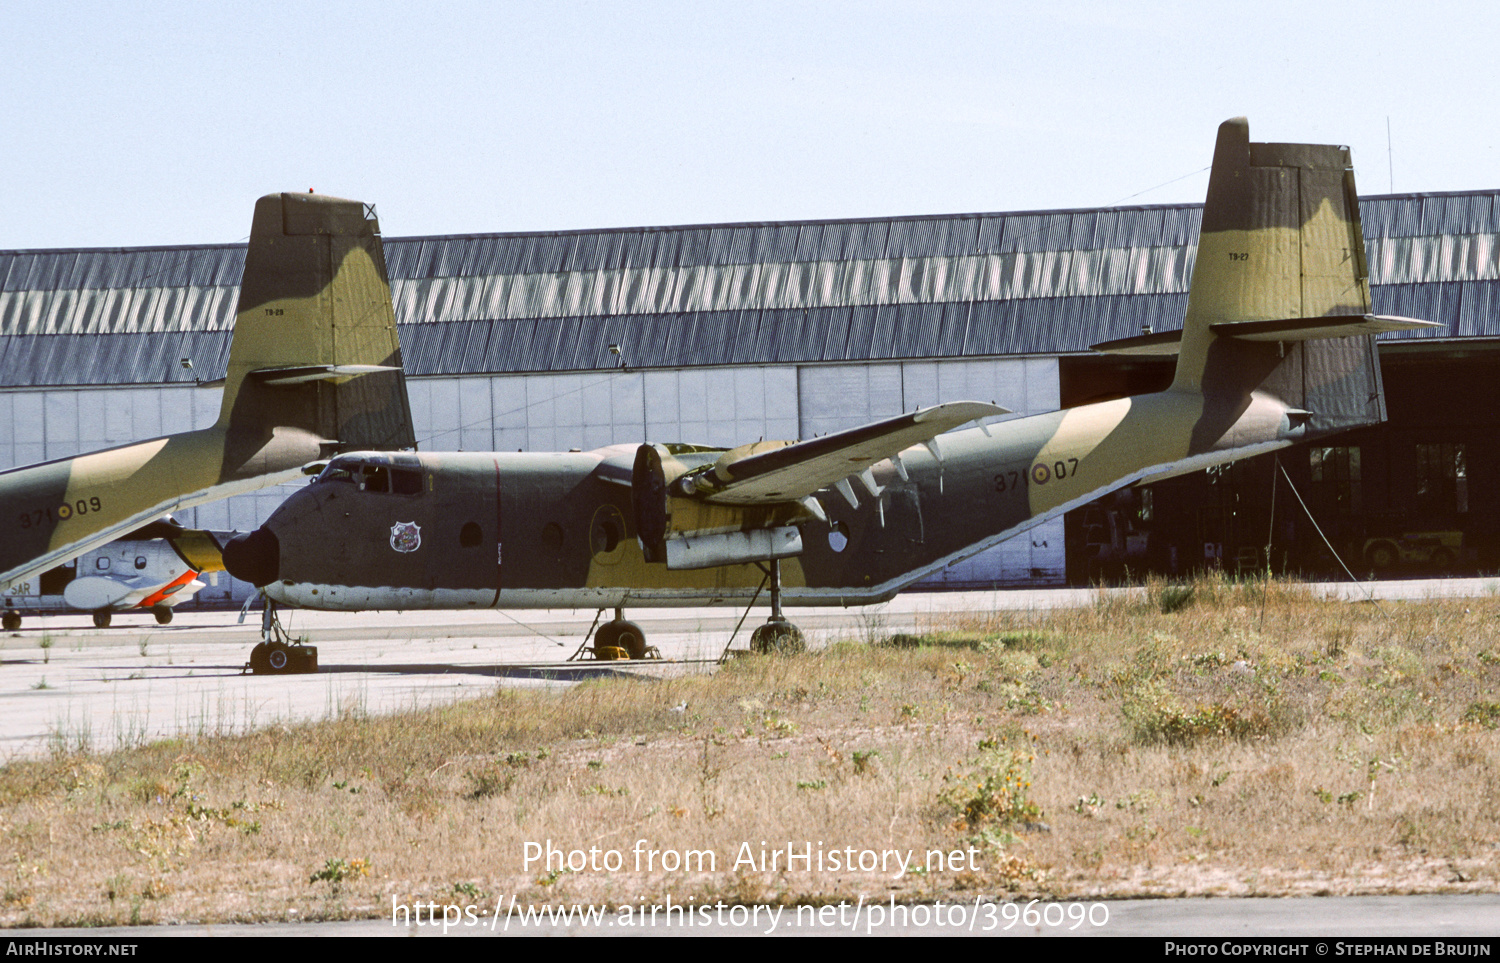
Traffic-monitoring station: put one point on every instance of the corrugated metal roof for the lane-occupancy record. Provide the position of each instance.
(1034, 282)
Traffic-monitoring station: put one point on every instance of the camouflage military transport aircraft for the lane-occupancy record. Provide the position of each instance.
(1276, 349)
(314, 369)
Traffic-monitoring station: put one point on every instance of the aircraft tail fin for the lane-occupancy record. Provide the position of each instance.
(315, 350)
(1280, 294)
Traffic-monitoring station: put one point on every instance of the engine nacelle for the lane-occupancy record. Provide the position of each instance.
(687, 532)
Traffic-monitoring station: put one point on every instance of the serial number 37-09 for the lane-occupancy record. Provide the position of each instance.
(1040, 474)
(41, 516)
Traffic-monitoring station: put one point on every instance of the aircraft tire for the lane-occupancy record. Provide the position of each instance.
(1382, 555)
(11, 621)
(163, 614)
(102, 619)
(619, 633)
(777, 637)
(280, 659)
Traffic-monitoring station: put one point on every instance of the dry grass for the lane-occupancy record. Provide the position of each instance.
(1185, 742)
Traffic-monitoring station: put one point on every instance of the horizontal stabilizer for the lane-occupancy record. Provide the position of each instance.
(302, 374)
(790, 472)
(1310, 329)
(1283, 329)
(1162, 344)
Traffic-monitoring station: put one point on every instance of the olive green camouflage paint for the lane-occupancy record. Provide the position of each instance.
(1281, 240)
(314, 293)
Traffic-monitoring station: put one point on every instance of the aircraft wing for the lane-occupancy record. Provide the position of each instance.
(782, 471)
(205, 546)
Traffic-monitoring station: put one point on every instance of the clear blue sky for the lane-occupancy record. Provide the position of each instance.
(160, 123)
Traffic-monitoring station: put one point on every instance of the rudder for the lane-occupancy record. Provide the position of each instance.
(1280, 297)
(1281, 239)
(315, 350)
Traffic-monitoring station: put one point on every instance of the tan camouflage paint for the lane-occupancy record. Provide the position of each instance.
(314, 292)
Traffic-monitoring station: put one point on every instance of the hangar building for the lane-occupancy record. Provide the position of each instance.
(727, 333)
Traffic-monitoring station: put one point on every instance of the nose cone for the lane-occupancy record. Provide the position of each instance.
(254, 558)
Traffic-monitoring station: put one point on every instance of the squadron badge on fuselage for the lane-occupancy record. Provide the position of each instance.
(406, 536)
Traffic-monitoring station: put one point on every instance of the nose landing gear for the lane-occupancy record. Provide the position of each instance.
(277, 653)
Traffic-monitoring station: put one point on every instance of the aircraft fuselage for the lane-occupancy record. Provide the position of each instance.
(521, 530)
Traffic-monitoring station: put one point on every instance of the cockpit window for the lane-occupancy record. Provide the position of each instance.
(376, 478)
(340, 470)
(375, 473)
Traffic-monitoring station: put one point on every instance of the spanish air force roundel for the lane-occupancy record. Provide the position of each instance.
(406, 536)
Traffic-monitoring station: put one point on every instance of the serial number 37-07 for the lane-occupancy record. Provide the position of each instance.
(41, 516)
(1040, 474)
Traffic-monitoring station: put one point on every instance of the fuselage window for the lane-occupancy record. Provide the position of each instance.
(140, 562)
(469, 536)
(102, 564)
(607, 534)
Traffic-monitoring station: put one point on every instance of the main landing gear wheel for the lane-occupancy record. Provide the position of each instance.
(777, 636)
(619, 634)
(102, 619)
(163, 615)
(11, 621)
(1382, 555)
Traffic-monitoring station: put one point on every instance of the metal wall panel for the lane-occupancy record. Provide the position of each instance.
(1456, 213)
(1403, 217)
(864, 241)
(1412, 301)
(1479, 304)
(679, 288)
(1179, 225)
